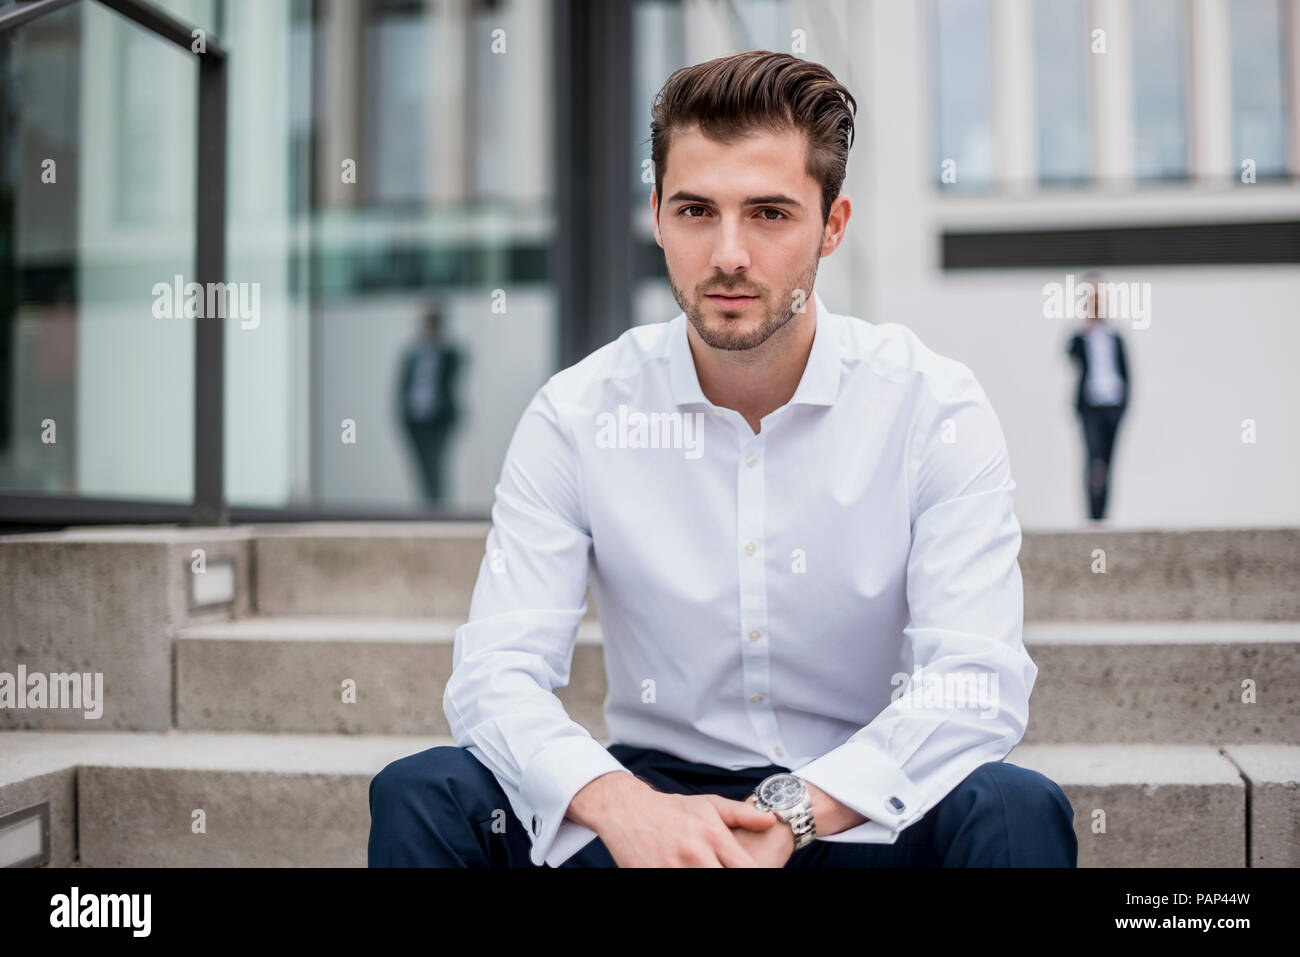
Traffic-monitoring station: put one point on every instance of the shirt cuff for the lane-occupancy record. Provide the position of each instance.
(554, 775)
(860, 776)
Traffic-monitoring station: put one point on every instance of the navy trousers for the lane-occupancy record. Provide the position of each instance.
(1100, 425)
(437, 809)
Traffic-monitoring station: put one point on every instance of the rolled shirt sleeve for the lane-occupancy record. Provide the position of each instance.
(963, 697)
(517, 646)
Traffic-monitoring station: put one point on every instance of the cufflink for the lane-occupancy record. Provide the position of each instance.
(896, 804)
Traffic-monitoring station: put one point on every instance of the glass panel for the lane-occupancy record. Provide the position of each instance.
(658, 48)
(1061, 83)
(450, 213)
(396, 116)
(1160, 89)
(96, 225)
(1259, 77)
(268, 178)
(963, 85)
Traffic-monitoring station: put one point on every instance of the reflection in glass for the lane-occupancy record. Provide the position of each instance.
(97, 194)
(450, 211)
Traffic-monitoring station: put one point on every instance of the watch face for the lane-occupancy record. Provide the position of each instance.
(781, 791)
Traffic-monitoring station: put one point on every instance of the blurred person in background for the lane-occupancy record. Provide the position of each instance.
(1101, 396)
(427, 395)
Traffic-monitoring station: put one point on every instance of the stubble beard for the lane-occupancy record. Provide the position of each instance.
(739, 334)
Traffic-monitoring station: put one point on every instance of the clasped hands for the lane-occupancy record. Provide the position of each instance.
(770, 843)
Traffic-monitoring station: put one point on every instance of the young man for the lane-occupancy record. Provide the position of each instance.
(802, 546)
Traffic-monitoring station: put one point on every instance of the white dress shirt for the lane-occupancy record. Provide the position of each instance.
(1103, 385)
(764, 599)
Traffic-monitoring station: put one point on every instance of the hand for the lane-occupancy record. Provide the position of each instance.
(771, 846)
(642, 827)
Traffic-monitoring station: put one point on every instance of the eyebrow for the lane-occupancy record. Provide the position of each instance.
(776, 199)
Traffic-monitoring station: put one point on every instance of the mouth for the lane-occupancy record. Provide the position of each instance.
(724, 300)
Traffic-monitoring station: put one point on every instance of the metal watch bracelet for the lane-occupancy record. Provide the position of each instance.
(800, 820)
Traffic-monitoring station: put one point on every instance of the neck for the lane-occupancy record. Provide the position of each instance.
(756, 381)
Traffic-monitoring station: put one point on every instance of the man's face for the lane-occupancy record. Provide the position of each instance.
(741, 229)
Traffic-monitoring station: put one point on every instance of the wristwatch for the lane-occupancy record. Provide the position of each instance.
(786, 796)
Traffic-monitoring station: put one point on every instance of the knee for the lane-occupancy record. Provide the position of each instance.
(1026, 795)
(424, 774)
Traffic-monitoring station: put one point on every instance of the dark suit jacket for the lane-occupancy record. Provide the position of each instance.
(1079, 353)
(449, 361)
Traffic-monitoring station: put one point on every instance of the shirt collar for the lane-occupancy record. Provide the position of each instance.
(819, 385)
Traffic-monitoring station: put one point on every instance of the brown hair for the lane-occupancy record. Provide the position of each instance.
(733, 95)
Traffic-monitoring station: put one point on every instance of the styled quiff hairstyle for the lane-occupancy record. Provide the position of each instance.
(733, 96)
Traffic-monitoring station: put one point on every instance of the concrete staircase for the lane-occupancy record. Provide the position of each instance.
(1167, 703)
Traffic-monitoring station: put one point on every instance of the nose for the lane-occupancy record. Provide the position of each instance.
(729, 252)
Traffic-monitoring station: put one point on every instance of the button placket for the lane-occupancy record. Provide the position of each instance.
(750, 530)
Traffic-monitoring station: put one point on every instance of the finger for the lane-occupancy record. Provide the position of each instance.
(710, 859)
(730, 853)
(742, 814)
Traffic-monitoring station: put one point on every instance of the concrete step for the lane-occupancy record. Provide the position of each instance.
(397, 569)
(429, 569)
(1161, 575)
(109, 602)
(1183, 682)
(1139, 805)
(401, 569)
(290, 675)
(1098, 682)
(1272, 775)
(128, 799)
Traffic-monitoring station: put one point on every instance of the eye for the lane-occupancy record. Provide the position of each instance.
(682, 211)
(773, 209)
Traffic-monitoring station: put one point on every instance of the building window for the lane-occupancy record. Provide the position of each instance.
(1160, 36)
(963, 87)
(1259, 78)
(1061, 37)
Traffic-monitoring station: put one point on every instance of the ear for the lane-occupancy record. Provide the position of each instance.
(654, 215)
(836, 224)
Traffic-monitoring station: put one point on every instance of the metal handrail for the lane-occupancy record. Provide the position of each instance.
(150, 16)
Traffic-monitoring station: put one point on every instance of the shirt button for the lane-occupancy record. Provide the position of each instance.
(750, 548)
(757, 697)
(779, 752)
(753, 636)
(751, 460)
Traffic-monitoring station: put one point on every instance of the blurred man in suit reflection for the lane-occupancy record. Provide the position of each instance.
(428, 401)
(1101, 396)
